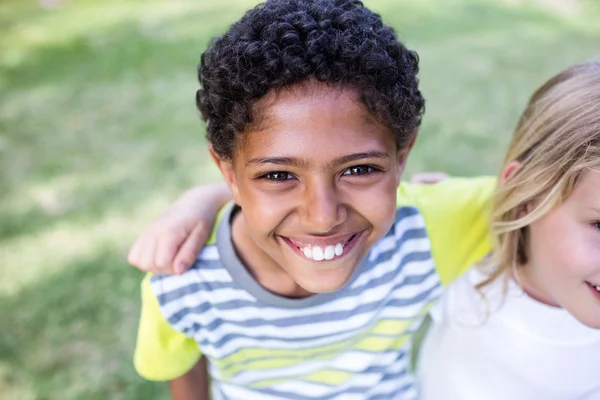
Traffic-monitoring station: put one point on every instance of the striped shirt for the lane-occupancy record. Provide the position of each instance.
(350, 344)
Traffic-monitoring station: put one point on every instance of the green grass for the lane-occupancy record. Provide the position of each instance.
(98, 132)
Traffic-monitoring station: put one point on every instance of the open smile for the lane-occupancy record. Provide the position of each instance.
(323, 249)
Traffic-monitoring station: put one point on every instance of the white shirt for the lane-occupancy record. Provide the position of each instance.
(520, 350)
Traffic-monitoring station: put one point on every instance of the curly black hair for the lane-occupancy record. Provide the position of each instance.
(285, 42)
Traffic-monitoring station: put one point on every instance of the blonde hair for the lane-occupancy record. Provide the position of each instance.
(555, 141)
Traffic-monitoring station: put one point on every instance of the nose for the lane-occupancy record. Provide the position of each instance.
(323, 208)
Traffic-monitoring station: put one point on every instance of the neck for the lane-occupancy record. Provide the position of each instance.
(264, 269)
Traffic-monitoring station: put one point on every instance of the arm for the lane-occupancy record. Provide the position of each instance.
(171, 243)
(193, 385)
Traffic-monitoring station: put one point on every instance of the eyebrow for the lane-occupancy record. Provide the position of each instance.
(596, 210)
(301, 163)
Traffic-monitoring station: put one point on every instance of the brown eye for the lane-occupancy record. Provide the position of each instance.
(278, 176)
(359, 170)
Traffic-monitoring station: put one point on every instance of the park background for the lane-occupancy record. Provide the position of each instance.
(98, 133)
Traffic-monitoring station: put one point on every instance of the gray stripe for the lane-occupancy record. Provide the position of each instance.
(406, 211)
(382, 254)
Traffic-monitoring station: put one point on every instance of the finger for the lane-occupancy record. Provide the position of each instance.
(133, 257)
(147, 251)
(166, 250)
(188, 252)
(429, 177)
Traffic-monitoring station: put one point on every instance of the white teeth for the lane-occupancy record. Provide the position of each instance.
(317, 253)
(338, 249)
(307, 252)
(597, 288)
(320, 253)
(329, 252)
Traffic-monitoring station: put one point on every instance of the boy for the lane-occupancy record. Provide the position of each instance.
(317, 278)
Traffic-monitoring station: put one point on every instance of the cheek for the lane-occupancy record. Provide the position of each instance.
(263, 210)
(584, 258)
(378, 204)
(564, 251)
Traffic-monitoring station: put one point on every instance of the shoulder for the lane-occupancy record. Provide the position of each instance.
(408, 227)
(456, 217)
(206, 269)
(451, 194)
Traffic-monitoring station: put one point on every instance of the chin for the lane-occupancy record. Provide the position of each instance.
(324, 284)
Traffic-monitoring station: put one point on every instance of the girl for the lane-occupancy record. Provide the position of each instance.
(527, 327)
(526, 324)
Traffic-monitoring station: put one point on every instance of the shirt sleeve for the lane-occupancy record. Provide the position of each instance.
(456, 213)
(161, 352)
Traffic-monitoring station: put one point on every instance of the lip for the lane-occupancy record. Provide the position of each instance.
(316, 241)
(350, 241)
(593, 290)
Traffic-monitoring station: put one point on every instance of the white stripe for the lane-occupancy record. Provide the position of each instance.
(240, 393)
(391, 264)
(308, 389)
(198, 276)
(209, 253)
(215, 275)
(352, 361)
(410, 394)
(391, 386)
(388, 243)
(215, 297)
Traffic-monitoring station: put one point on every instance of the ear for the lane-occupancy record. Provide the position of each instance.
(509, 171)
(402, 156)
(507, 174)
(228, 172)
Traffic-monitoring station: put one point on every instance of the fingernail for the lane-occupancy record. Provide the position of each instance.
(180, 268)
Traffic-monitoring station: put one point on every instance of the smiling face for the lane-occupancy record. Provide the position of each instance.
(316, 182)
(564, 254)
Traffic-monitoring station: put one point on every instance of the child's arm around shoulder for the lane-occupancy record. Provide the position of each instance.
(171, 242)
(164, 354)
(456, 213)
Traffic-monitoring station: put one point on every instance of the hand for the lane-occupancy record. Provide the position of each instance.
(171, 243)
(429, 177)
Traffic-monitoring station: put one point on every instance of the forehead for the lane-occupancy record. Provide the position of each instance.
(314, 119)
